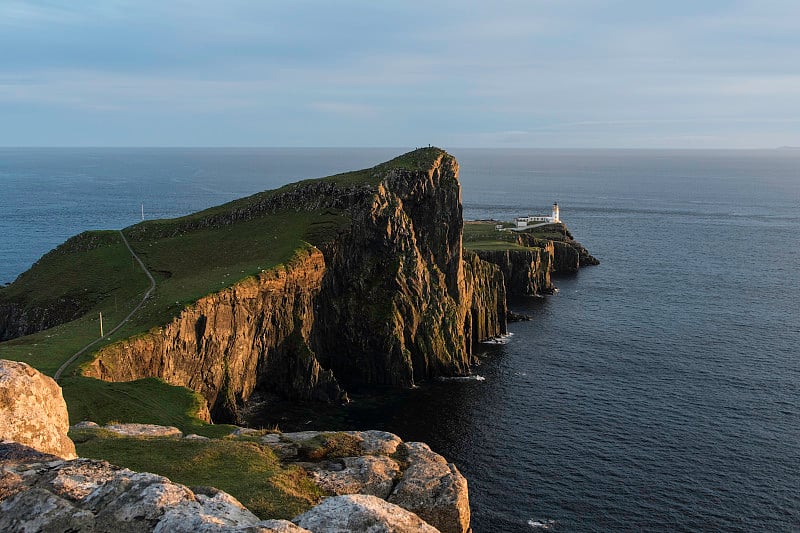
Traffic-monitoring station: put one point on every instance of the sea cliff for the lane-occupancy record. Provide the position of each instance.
(387, 299)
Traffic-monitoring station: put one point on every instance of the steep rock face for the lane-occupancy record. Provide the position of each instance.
(396, 306)
(254, 333)
(526, 272)
(566, 259)
(568, 255)
(17, 320)
(407, 474)
(486, 291)
(389, 301)
(33, 411)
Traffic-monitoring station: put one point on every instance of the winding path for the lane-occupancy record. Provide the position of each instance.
(147, 294)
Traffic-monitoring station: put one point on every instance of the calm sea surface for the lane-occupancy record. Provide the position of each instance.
(657, 391)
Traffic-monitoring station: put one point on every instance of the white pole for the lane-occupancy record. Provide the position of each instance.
(142, 212)
(101, 324)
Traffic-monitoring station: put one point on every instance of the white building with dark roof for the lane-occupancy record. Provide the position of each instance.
(524, 222)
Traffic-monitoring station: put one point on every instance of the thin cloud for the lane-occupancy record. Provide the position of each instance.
(345, 109)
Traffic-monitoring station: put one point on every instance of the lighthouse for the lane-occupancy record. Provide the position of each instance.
(555, 216)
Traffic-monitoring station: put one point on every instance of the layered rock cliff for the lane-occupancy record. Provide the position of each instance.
(389, 300)
(568, 255)
(253, 333)
(526, 272)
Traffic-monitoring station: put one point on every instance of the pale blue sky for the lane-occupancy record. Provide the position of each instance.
(538, 73)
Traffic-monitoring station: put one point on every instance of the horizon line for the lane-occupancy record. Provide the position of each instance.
(276, 147)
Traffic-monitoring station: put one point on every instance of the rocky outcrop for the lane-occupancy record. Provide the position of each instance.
(568, 255)
(361, 513)
(525, 272)
(376, 482)
(433, 489)
(40, 492)
(33, 411)
(486, 291)
(379, 464)
(396, 307)
(390, 300)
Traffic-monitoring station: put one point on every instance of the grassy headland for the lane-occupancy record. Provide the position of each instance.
(190, 257)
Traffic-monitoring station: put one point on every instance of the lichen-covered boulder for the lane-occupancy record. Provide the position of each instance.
(374, 442)
(360, 512)
(433, 489)
(33, 411)
(379, 463)
(368, 474)
(40, 492)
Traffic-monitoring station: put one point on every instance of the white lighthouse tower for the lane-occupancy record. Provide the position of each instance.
(555, 213)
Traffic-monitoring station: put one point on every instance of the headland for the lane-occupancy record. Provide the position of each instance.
(364, 278)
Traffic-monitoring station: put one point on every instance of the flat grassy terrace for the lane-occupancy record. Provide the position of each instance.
(481, 235)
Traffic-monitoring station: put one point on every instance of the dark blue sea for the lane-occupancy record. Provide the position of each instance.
(657, 391)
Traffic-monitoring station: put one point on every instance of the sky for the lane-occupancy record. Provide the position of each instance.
(524, 73)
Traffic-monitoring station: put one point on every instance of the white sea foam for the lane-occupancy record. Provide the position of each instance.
(500, 339)
(474, 377)
(541, 524)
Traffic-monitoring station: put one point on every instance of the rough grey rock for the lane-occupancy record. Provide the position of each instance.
(144, 430)
(85, 424)
(193, 436)
(361, 513)
(301, 436)
(33, 411)
(375, 442)
(434, 489)
(238, 432)
(39, 492)
(279, 526)
(370, 474)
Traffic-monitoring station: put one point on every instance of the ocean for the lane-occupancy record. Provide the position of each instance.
(657, 391)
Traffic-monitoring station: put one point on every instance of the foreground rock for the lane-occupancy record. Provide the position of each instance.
(40, 492)
(433, 489)
(380, 483)
(361, 513)
(377, 463)
(33, 411)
